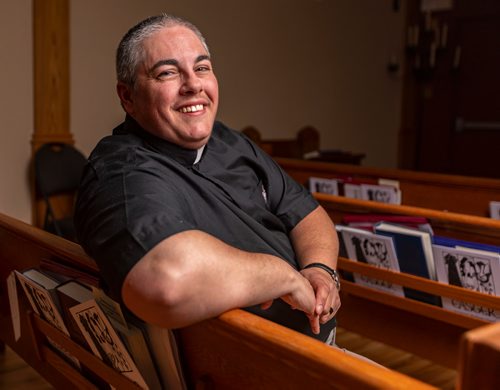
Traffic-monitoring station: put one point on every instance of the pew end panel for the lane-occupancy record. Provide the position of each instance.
(479, 358)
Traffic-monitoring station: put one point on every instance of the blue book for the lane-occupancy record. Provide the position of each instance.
(454, 243)
(414, 253)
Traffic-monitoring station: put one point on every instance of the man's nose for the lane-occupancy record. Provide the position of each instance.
(191, 83)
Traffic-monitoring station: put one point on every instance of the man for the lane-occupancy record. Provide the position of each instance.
(188, 219)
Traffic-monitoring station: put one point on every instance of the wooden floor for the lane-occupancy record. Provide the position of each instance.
(15, 374)
(398, 360)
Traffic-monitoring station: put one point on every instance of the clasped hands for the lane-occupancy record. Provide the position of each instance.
(317, 296)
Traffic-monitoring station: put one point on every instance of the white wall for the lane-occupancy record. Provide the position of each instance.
(281, 65)
(16, 107)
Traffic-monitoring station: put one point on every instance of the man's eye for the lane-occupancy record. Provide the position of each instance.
(165, 73)
(203, 68)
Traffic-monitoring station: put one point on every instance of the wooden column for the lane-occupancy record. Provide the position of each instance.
(51, 79)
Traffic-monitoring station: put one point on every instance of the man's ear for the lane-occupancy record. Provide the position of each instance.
(124, 92)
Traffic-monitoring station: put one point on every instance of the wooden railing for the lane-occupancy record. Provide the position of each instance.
(240, 350)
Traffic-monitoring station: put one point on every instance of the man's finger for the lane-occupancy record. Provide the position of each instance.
(321, 300)
(314, 322)
(266, 305)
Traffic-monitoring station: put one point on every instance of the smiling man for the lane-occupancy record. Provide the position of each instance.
(187, 218)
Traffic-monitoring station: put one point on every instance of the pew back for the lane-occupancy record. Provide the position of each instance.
(460, 194)
(235, 350)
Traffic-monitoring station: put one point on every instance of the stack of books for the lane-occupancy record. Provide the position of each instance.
(411, 247)
(145, 354)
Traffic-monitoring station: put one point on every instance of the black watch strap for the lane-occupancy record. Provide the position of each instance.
(334, 274)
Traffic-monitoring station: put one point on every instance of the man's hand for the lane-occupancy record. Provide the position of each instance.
(327, 295)
(301, 298)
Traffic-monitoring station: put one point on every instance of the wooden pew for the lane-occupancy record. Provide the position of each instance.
(234, 350)
(306, 144)
(460, 194)
(426, 330)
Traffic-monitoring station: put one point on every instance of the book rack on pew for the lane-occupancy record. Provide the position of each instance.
(428, 331)
(238, 349)
(461, 226)
(460, 194)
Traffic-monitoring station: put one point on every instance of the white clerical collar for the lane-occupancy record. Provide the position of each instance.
(199, 152)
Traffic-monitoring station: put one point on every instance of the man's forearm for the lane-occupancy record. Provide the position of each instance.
(315, 239)
(192, 276)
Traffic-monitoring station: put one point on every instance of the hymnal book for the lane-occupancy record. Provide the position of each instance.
(368, 221)
(495, 210)
(40, 291)
(133, 333)
(164, 349)
(474, 270)
(414, 254)
(352, 190)
(69, 271)
(388, 182)
(324, 186)
(373, 249)
(457, 243)
(343, 253)
(342, 246)
(104, 341)
(379, 193)
(72, 293)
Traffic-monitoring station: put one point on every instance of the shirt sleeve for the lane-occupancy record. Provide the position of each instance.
(289, 200)
(123, 212)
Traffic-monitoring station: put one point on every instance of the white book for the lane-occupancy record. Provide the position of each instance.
(364, 246)
(475, 270)
(381, 193)
(104, 341)
(324, 186)
(352, 191)
(495, 210)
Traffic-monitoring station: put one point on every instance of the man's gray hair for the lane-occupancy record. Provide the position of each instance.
(130, 50)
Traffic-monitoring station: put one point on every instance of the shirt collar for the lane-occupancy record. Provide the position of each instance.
(186, 157)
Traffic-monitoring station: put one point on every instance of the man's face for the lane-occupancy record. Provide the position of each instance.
(176, 95)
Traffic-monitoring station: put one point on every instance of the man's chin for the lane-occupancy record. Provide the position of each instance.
(194, 143)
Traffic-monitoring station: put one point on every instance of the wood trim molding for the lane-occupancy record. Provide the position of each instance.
(51, 83)
(51, 72)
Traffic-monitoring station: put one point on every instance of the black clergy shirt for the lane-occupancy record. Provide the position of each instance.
(139, 189)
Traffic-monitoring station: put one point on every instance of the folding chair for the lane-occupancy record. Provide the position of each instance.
(58, 169)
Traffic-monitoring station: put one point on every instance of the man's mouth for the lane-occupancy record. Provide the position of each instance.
(193, 108)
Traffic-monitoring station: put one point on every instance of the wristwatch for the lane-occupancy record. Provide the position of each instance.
(334, 274)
